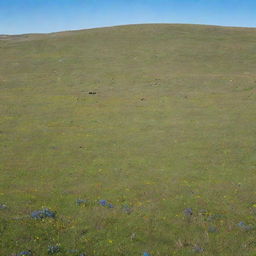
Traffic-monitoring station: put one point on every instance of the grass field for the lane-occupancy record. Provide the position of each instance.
(172, 126)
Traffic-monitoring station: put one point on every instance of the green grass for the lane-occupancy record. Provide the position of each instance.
(189, 143)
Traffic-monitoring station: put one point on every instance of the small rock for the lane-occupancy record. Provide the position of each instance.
(133, 236)
(203, 212)
(127, 209)
(3, 206)
(212, 230)
(197, 249)
(188, 212)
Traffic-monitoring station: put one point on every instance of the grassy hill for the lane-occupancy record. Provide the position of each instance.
(172, 126)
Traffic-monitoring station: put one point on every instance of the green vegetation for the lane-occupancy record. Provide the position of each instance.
(171, 126)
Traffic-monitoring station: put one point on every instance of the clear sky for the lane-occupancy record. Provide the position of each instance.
(37, 16)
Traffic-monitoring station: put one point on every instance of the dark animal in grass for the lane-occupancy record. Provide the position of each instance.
(41, 214)
(84, 232)
(92, 93)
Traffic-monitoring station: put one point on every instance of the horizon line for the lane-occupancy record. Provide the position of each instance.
(124, 25)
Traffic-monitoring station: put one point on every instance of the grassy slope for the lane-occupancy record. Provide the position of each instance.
(189, 143)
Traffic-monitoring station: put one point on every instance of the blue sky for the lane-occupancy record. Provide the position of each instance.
(41, 16)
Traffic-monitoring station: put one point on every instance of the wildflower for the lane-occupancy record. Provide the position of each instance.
(53, 249)
(81, 202)
(45, 213)
(242, 225)
(27, 253)
(105, 203)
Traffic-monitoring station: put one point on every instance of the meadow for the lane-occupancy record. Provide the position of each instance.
(155, 119)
